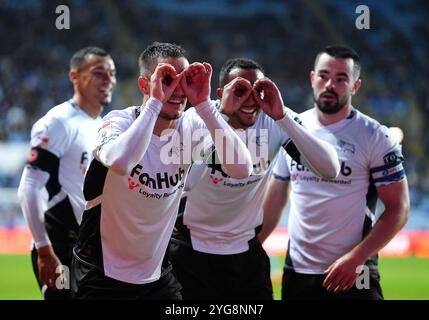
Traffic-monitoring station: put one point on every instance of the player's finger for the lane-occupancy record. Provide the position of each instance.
(175, 80)
(164, 69)
(46, 278)
(348, 286)
(261, 84)
(330, 276)
(208, 67)
(195, 67)
(333, 283)
(329, 269)
(345, 283)
(341, 280)
(242, 91)
(240, 87)
(258, 96)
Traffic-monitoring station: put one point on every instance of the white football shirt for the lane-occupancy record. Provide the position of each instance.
(137, 211)
(327, 217)
(222, 212)
(70, 134)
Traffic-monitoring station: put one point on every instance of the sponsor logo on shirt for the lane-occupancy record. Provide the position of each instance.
(84, 162)
(105, 132)
(161, 180)
(34, 154)
(346, 147)
(132, 184)
(391, 170)
(300, 173)
(215, 180)
(392, 157)
(258, 168)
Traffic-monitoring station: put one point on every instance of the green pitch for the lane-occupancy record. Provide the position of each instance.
(17, 280)
(402, 278)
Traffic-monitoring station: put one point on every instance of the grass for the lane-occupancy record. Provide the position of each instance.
(17, 281)
(401, 278)
(405, 279)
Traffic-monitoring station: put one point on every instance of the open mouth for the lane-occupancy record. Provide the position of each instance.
(175, 100)
(248, 110)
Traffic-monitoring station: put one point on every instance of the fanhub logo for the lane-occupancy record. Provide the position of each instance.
(215, 180)
(132, 184)
(160, 181)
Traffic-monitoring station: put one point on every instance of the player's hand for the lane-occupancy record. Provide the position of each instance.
(196, 82)
(341, 275)
(164, 81)
(268, 96)
(48, 262)
(234, 94)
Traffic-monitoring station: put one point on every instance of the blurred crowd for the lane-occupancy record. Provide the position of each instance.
(283, 36)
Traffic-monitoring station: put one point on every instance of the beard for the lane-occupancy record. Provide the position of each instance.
(105, 103)
(166, 116)
(331, 107)
(245, 123)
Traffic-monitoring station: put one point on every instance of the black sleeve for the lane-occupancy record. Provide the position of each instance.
(292, 150)
(45, 160)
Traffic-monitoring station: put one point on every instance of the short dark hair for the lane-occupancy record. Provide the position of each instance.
(81, 55)
(343, 52)
(156, 50)
(242, 63)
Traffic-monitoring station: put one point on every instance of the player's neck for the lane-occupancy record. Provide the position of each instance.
(93, 110)
(236, 124)
(327, 119)
(162, 124)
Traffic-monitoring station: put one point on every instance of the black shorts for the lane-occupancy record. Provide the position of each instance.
(207, 276)
(298, 286)
(90, 283)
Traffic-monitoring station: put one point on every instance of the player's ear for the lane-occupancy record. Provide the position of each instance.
(143, 85)
(219, 92)
(73, 75)
(356, 86)
(312, 75)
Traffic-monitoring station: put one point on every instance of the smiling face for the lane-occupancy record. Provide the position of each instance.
(248, 112)
(94, 80)
(173, 108)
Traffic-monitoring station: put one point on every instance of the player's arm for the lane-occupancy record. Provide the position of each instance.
(42, 166)
(316, 154)
(121, 151)
(396, 201)
(196, 84)
(275, 201)
(30, 197)
(388, 175)
(341, 275)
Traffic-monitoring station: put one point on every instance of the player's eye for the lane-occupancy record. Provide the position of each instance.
(240, 91)
(167, 80)
(98, 74)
